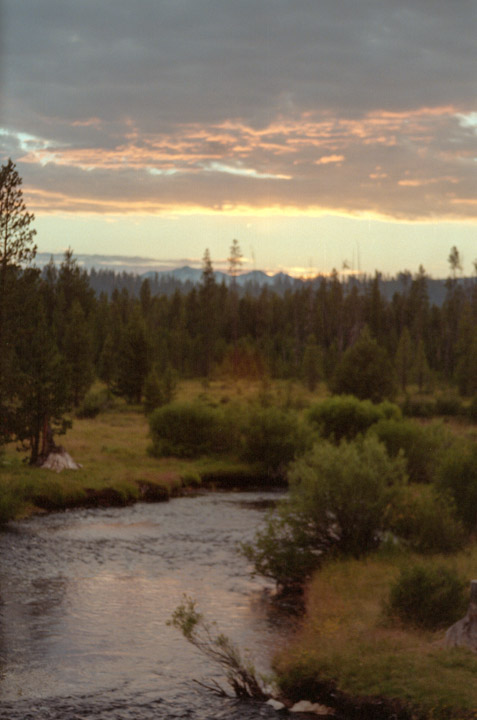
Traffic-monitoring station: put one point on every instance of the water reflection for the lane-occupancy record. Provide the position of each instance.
(86, 596)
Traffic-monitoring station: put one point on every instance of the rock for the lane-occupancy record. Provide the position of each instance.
(305, 706)
(463, 633)
(60, 460)
(275, 704)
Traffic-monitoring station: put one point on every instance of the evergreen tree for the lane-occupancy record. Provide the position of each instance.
(403, 359)
(16, 249)
(208, 313)
(78, 351)
(365, 371)
(311, 363)
(133, 360)
(43, 396)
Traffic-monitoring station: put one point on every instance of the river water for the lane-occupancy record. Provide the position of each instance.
(85, 596)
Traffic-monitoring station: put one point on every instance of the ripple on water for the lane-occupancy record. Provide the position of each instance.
(85, 596)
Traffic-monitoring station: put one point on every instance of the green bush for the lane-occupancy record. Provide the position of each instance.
(283, 551)
(472, 410)
(10, 503)
(337, 503)
(159, 390)
(426, 521)
(421, 445)
(449, 405)
(457, 476)
(273, 438)
(418, 407)
(428, 596)
(345, 417)
(190, 430)
(93, 403)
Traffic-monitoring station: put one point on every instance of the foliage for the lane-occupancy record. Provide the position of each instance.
(343, 646)
(448, 404)
(365, 370)
(428, 596)
(94, 402)
(337, 503)
(239, 672)
(273, 437)
(345, 417)
(16, 248)
(159, 390)
(457, 476)
(426, 520)
(10, 501)
(134, 366)
(419, 407)
(351, 485)
(421, 445)
(283, 550)
(312, 363)
(190, 430)
(16, 236)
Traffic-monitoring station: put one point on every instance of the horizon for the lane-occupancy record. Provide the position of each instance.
(138, 265)
(319, 135)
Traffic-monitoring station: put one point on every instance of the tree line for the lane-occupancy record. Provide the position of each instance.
(57, 335)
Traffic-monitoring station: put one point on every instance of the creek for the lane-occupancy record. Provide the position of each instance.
(85, 596)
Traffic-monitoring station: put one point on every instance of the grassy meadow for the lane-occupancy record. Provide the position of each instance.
(112, 449)
(348, 640)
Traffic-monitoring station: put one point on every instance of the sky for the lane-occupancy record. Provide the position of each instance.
(320, 134)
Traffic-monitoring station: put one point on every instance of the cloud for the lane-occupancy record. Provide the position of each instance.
(206, 106)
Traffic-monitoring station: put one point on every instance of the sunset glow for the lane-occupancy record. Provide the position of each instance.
(175, 128)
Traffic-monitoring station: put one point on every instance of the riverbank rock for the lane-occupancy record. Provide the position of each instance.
(305, 706)
(276, 704)
(463, 633)
(59, 460)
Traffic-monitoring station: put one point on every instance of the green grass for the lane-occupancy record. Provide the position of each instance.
(116, 467)
(346, 638)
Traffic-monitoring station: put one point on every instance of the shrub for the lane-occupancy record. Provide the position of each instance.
(457, 476)
(426, 521)
(449, 405)
(418, 407)
(428, 596)
(93, 403)
(273, 438)
(472, 409)
(10, 503)
(337, 502)
(283, 551)
(159, 391)
(421, 445)
(190, 430)
(344, 416)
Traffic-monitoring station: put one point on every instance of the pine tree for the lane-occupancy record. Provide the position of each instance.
(312, 362)
(134, 359)
(16, 249)
(403, 359)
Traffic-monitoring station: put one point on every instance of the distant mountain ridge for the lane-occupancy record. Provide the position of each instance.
(193, 275)
(107, 272)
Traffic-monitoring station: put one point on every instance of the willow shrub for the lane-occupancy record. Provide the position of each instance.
(273, 438)
(338, 499)
(422, 445)
(192, 429)
(457, 476)
(344, 416)
(426, 521)
(428, 596)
